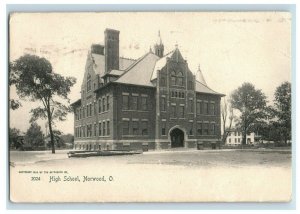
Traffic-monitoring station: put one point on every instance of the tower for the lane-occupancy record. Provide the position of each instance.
(200, 76)
(159, 47)
(111, 49)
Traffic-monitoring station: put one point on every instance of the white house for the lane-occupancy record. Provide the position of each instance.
(235, 138)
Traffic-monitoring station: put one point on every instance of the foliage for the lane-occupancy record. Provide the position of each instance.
(14, 134)
(34, 79)
(282, 111)
(226, 113)
(252, 105)
(34, 136)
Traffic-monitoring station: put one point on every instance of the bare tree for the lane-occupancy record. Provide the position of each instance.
(227, 115)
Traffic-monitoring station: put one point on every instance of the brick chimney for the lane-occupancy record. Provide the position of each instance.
(111, 49)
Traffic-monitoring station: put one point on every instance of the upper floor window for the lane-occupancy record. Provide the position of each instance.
(99, 105)
(190, 85)
(180, 78)
(134, 103)
(173, 78)
(163, 103)
(198, 107)
(212, 109)
(144, 103)
(125, 102)
(108, 128)
(103, 104)
(205, 108)
(191, 105)
(173, 111)
(181, 111)
(177, 78)
(163, 81)
(107, 103)
(88, 82)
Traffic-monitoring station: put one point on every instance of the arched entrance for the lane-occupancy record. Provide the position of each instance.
(177, 138)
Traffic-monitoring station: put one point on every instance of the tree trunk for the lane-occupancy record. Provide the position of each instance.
(50, 130)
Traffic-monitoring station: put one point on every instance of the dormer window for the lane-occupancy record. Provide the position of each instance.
(88, 83)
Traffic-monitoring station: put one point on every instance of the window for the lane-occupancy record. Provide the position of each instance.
(90, 109)
(177, 79)
(191, 106)
(144, 127)
(163, 104)
(125, 102)
(205, 108)
(201, 107)
(198, 107)
(190, 128)
(212, 109)
(104, 128)
(213, 129)
(205, 129)
(181, 111)
(88, 84)
(95, 108)
(173, 111)
(229, 140)
(134, 103)
(163, 81)
(199, 128)
(180, 78)
(90, 130)
(190, 85)
(108, 127)
(80, 113)
(163, 128)
(83, 112)
(173, 78)
(95, 129)
(99, 129)
(103, 104)
(99, 106)
(135, 127)
(107, 103)
(144, 103)
(125, 129)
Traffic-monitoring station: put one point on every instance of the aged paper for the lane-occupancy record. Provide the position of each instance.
(173, 162)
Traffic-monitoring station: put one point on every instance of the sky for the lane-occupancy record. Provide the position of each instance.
(230, 47)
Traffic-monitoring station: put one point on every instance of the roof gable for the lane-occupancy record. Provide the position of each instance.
(140, 72)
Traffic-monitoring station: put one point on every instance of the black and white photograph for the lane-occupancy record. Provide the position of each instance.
(150, 107)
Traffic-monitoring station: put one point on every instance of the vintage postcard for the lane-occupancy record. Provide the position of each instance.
(150, 107)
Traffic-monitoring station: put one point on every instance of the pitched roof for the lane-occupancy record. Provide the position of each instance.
(200, 87)
(99, 63)
(160, 64)
(139, 73)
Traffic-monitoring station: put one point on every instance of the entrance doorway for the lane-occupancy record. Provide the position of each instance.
(177, 138)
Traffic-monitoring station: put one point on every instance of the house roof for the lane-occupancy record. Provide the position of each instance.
(200, 87)
(160, 64)
(99, 63)
(114, 73)
(139, 73)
